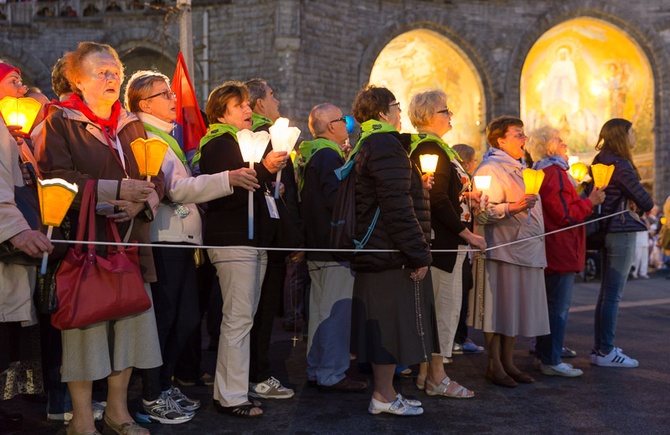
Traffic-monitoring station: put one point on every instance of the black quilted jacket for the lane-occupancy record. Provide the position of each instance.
(387, 178)
(624, 185)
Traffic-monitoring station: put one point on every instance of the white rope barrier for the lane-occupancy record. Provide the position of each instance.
(301, 249)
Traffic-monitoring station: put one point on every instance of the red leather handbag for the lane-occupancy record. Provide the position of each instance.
(92, 288)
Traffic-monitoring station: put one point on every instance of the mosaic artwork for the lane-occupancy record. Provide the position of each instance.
(420, 60)
(581, 73)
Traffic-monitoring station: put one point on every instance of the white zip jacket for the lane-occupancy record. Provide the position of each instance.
(182, 188)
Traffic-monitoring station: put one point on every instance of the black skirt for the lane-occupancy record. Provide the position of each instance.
(387, 324)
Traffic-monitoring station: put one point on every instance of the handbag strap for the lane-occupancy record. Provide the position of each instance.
(87, 213)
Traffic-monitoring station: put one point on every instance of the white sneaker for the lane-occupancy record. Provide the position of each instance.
(270, 389)
(616, 358)
(561, 369)
(397, 407)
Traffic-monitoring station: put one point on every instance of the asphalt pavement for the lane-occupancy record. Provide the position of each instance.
(602, 401)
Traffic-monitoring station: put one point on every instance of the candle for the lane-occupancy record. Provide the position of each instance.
(55, 197)
(283, 139)
(252, 146)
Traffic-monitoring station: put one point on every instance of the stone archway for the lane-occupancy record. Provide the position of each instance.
(423, 59)
(582, 72)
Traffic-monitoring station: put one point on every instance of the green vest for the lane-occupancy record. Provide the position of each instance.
(215, 130)
(427, 137)
(309, 148)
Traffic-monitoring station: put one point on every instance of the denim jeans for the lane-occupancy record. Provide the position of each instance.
(617, 260)
(559, 295)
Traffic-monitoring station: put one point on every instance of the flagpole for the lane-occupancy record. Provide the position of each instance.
(186, 32)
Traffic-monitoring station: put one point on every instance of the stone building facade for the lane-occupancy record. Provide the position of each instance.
(312, 51)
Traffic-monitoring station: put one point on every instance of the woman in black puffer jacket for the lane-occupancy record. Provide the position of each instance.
(393, 311)
(616, 140)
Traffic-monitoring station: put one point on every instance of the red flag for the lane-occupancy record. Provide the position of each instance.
(188, 112)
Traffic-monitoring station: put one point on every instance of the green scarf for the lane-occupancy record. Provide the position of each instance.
(369, 128)
(427, 137)
(215, 130)
(259, 121)
(172, 142)
(309, 148)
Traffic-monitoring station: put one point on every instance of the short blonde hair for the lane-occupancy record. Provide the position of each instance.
(540, 143)
(140, 86)
(425, 105)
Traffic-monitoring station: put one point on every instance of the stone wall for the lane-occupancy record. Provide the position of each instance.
(315, 51)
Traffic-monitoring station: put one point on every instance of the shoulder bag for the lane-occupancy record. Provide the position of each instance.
(92, 288)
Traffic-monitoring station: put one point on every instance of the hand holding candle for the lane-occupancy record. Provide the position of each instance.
(252, 146)
(428, 166)
(601, 176)
(533, 181)
(55, 196)
(283, 139)
(482, 183)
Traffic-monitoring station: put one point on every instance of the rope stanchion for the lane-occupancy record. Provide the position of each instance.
(294, 249)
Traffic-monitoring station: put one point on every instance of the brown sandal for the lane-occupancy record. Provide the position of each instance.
(129, 428)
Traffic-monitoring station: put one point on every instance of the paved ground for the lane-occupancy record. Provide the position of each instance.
(602, 401)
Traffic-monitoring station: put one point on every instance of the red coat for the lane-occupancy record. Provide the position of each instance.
(562, 207)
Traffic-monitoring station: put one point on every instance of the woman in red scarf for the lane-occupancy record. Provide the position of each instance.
(88, 138)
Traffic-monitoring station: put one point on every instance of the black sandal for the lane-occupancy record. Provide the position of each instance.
(241, 411)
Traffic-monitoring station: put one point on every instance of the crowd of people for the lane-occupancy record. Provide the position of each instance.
(406, 298)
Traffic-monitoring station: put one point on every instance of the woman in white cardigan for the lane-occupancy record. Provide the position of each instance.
(175, 295)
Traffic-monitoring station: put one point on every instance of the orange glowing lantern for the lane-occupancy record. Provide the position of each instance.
(55, 196)
(428, 163)
(483, 183)
(578, 170)
(601, 174)
(20, 111)
(532, 179)
(149, 154)
(252, 146)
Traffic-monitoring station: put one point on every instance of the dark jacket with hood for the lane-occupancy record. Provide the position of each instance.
(387, 178)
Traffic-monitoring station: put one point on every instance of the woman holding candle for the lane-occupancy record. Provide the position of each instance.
(565, 250)
(431, 117)
(615, 142)
(17, 282)
(88, 138)
(514, 302)
(241, 269)
(392, 307)
(177, 221)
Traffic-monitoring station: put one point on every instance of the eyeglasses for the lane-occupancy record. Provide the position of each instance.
(343, 119)
(168, 95)
(447, 111)
(397, 104)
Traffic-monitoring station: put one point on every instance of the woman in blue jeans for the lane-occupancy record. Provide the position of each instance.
(615, 143)
(566, 250)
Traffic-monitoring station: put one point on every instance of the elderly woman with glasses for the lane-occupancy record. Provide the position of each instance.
(177, 221)
(431, 117)
(240, 266)
(392, 307)
(87, 138)
(513, 299)
(566, 250)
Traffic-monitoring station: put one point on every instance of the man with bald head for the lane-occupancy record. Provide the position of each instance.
(332, 281)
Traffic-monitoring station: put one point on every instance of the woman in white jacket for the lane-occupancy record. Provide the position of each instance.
(175, 295)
